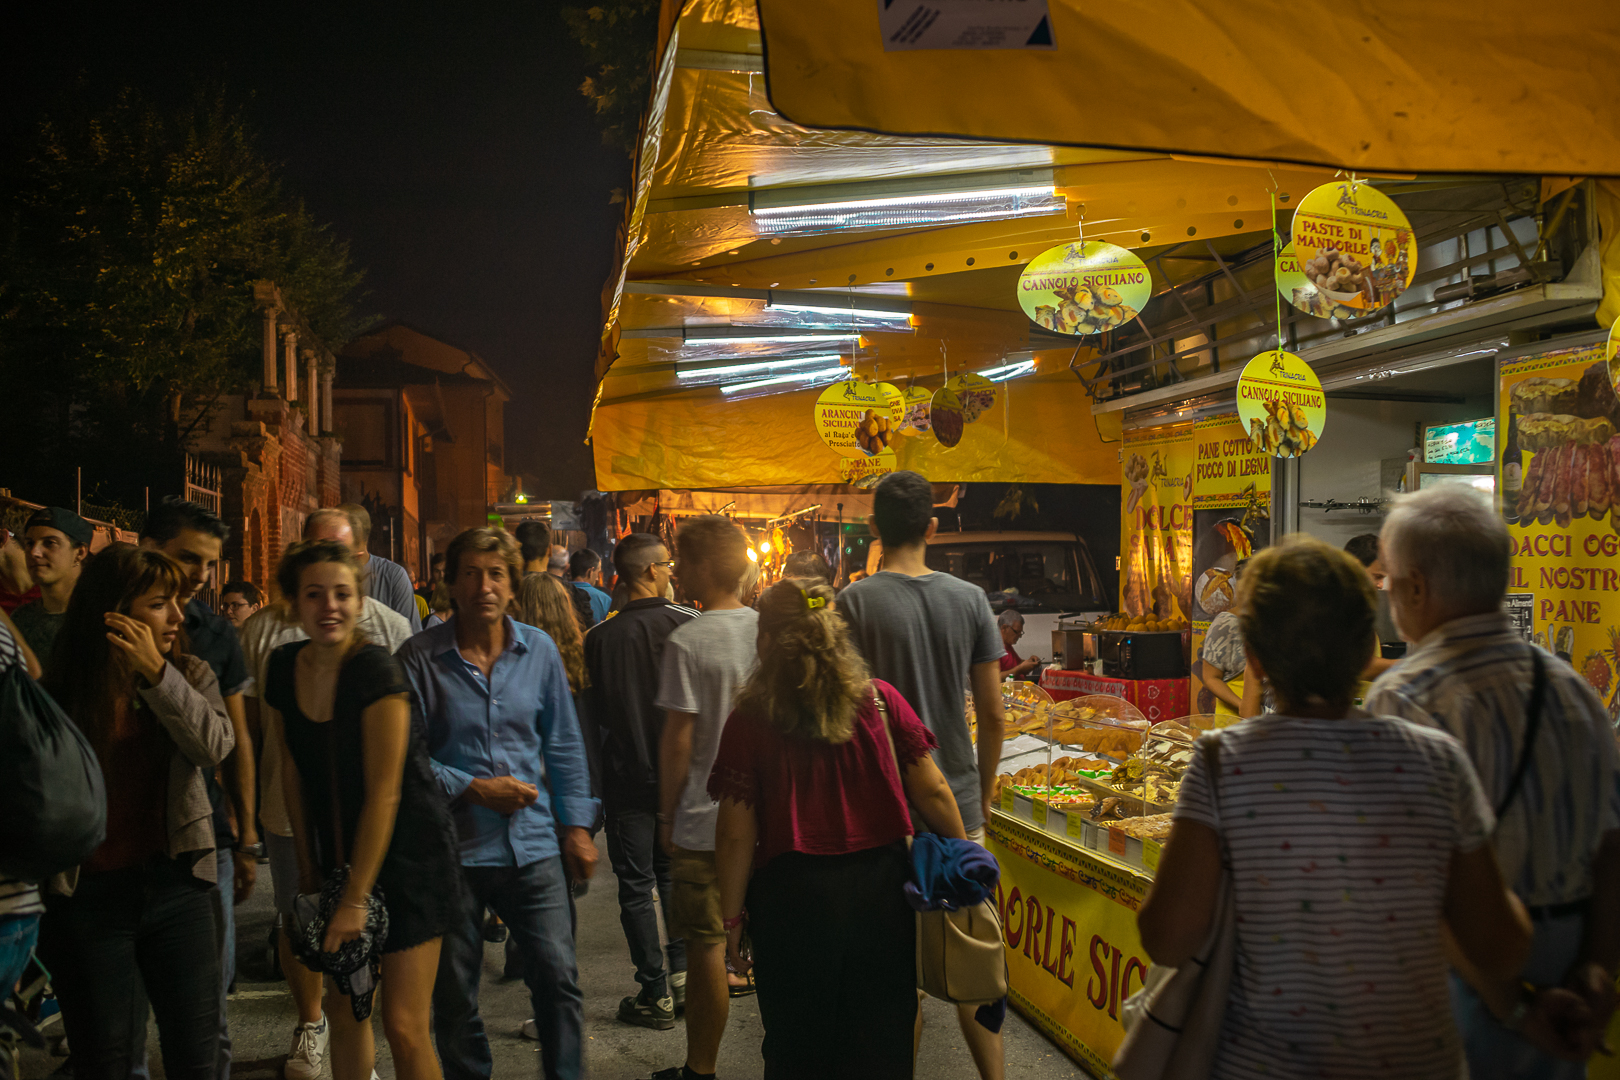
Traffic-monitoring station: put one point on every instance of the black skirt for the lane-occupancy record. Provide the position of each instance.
(835, 959)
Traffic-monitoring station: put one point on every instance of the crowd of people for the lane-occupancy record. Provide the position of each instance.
(1429, 880)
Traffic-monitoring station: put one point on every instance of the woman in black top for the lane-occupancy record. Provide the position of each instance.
(360, 794)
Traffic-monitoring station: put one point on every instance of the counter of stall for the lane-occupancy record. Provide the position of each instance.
(1082, 804)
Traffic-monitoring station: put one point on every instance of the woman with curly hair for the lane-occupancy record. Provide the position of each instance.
(138, 929)
(545, 603)
(815, 770)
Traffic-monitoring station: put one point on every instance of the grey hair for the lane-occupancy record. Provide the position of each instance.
(1452, 536)
(1010, 617)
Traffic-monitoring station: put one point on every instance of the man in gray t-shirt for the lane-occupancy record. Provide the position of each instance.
(932, 636)
(706, 661)
(924, 634)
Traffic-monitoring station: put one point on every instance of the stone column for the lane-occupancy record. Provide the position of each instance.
(290, 341)
(270, 350)
(312, 404)
(326, 402)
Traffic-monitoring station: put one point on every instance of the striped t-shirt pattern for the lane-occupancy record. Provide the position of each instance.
(1341, 834)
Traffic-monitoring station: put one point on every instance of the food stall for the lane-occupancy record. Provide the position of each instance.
(1081, 810)
(797, 305)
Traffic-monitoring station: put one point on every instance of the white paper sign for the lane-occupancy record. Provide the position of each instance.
(965, 24)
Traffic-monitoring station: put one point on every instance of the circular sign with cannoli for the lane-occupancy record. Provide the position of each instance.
(854, 418)
(1280, 401)
(1354, 245)
(1084, 288)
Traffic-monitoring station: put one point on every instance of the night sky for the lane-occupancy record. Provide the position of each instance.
(448, 143)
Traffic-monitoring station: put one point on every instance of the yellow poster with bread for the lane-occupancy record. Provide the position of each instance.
(1562, 418)
(1231, 519)
(1068, 922)
(1155, 543)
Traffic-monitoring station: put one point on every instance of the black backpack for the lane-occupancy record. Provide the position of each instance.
(52, 797)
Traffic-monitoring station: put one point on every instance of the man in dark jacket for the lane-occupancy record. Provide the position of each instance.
(624, 656)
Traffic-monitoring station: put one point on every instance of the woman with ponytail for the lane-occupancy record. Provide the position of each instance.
(816, 767)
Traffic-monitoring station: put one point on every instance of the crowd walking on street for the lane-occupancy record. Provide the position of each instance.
(1427, 885)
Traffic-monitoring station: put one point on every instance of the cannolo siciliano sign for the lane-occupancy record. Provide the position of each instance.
(1084, 288)
(1281, 404)
(1562, 417)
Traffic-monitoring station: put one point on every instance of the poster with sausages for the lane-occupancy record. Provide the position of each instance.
(1563, 419)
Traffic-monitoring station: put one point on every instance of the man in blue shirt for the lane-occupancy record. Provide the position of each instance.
(493, 698)
(585, 574)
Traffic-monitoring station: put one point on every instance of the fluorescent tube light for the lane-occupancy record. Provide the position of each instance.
(764, 365)
(801, 376)
(1010, 371)
(765, 339)
(858, 313)
(899, 210)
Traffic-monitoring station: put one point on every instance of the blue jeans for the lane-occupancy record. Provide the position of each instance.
(1495, 1053)
(640, 865)
(537, 907)
(224, 897)
(17, 936)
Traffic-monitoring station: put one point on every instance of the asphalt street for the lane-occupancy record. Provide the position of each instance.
(262, 1014)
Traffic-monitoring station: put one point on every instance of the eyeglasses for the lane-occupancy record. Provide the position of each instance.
(667, 564)
(233, 605)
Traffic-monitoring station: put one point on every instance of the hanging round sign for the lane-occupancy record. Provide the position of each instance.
(896, 401)
(1355, 245)
(1298, 289)
(1084, 288)
(959, 402)
(1613, 355)
(853, 418)
(1280, 401)
(863, 472)
(915, 401)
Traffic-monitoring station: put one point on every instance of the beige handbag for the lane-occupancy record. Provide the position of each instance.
(960, 957)
(1173, 1023)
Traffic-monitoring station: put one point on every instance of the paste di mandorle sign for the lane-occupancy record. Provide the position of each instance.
(1084, 288)
(1354, 245)
(1281, 404)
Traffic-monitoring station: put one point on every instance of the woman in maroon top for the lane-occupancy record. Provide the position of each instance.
(138, 929)
(813, 809)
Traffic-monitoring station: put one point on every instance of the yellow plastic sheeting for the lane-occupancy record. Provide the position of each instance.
(1042, 433)
(1438, 86)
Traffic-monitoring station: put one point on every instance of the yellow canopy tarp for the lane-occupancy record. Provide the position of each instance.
(1435, 86)
(1041, 431)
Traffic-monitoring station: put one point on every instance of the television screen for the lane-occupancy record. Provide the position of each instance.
(1470, 443)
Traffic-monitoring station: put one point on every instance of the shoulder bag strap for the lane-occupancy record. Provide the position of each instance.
(1532, 725)
(1210, 747)
(899, 771)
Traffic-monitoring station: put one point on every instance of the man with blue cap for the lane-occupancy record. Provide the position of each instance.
(57, 543)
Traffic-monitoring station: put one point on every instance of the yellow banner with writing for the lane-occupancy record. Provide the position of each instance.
(1231, 519)
(1558, 479)
(1068, 919)
(1156, 522)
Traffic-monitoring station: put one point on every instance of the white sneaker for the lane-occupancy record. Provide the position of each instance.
(308, 1052)
(530, 1031)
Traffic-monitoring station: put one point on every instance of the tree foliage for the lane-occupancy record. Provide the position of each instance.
(132, 238)
(617, 38)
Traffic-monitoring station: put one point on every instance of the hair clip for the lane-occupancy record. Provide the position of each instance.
(812, 602)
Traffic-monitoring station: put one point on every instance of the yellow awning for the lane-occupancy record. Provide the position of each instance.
(1435, 86)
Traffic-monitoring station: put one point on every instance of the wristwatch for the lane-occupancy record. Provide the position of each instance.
(255, 850)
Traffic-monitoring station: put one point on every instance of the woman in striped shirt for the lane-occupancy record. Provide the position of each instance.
(1352, 841)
